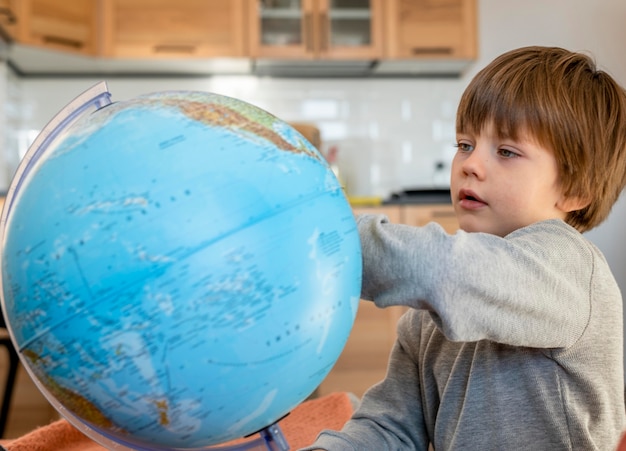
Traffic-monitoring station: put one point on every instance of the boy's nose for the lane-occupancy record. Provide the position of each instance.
(474, 164)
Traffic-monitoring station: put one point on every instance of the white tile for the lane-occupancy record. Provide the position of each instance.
(396, 126)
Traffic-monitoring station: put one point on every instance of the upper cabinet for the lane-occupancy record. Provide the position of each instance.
(8, 18)
(60, 25)
(274, 37)
(432, 29)
(166, 28)
(316, 29)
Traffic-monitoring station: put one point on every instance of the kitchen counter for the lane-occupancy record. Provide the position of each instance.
(419, 197)
(405, 197)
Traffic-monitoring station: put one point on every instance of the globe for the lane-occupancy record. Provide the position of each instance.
(179, 270)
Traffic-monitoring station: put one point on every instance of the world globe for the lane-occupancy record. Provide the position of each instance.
(179, 270)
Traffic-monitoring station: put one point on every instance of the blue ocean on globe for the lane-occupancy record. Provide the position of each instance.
(179, 270)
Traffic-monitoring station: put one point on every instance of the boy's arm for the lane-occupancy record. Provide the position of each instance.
(390, 416)
(530, 288)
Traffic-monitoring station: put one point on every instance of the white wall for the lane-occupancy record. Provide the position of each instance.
(591, 26)
(582, 25)
(391, 132)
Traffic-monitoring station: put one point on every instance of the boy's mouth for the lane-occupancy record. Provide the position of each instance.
(470, 198)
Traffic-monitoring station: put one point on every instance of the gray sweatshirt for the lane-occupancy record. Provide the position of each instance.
(512, 343)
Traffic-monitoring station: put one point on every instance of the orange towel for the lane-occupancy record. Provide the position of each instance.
(300, 427)
(622, 443)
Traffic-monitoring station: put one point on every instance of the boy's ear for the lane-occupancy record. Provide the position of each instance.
(572, 203)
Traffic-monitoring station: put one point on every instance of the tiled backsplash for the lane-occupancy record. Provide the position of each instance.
(390, 133)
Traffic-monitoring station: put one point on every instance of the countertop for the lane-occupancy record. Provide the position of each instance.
(419, 196)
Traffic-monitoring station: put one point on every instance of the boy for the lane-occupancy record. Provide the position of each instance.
(514, 338)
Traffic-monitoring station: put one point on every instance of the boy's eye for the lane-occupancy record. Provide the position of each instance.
(464, 147)
(507, 153)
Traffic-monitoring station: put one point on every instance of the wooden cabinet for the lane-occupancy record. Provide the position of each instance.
(420, 215)
(8, 19)
(60, 25)
(275, 37)
(393, 212)
(363, 361)
(445, 29)
(166, 28)
(316, 29)
(416, 214)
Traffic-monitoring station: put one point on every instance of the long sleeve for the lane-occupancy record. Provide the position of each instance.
(512, 343)
(391, 417)
(530, 288)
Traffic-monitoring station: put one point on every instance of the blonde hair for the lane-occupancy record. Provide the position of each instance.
(569, 107)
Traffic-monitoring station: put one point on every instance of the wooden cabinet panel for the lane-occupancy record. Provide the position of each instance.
(62, 25)
(316, 29)
(165, 28)
(8, 18)
(420, 215)
(322, 37)
(417, 215)
(430, 29)
(363, 361)
(393, 212)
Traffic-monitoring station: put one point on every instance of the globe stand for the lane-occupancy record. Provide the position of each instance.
(96, 97)
(270, 438)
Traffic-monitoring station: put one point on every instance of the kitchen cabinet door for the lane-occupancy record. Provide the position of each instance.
(8, 19)
(393, 212)
(445, 29)
(182, 28)
(420, 215)
(316, 29)
(363, 361)
(58, 24)
(416, 214)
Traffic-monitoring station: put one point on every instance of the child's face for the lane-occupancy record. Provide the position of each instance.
(499, 185)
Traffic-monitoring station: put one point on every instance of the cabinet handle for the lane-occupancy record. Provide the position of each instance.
(308, 32)
(325, 29)
(11, 19)
(432, 50)
(65, 42)
(174, 48)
